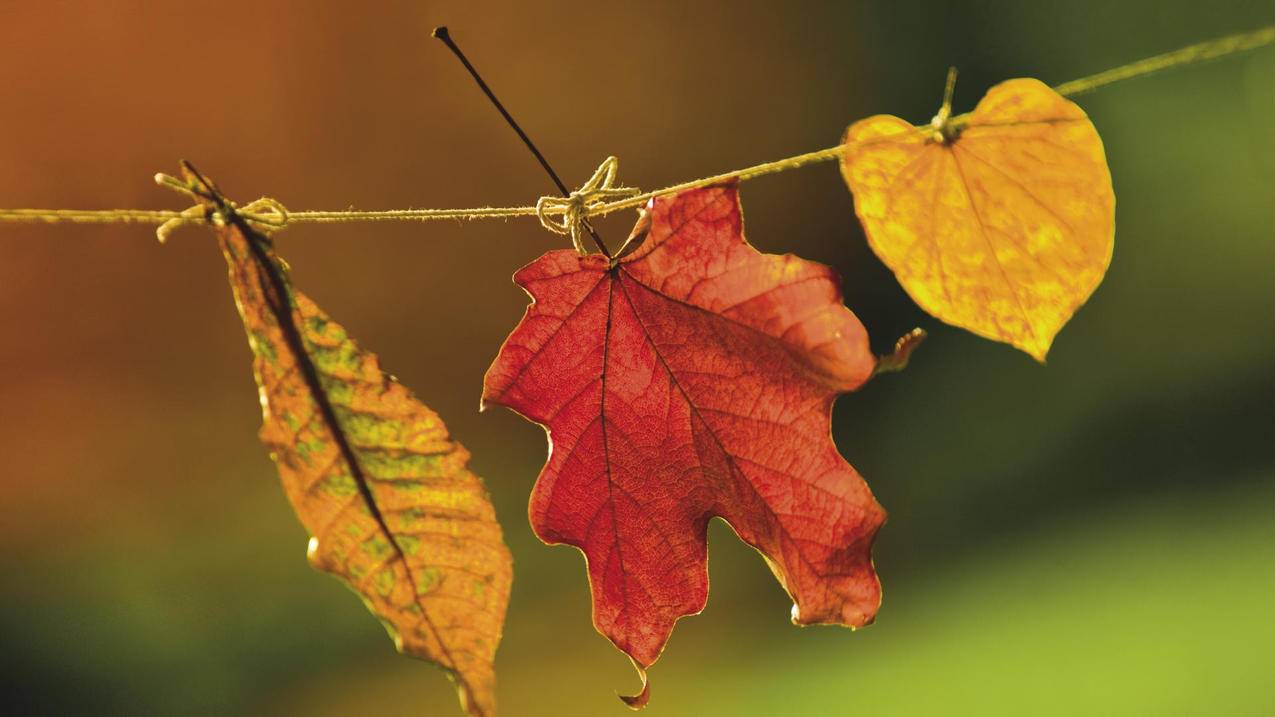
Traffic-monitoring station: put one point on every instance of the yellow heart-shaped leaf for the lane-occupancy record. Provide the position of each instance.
(1001, 222)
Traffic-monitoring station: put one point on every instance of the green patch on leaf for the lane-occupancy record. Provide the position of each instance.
(409, 544)
(377, 547)
(339, 485)
(383, 583)
(262, 347)
(427, 579)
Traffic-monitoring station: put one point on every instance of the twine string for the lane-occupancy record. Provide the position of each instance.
(1190, 55)
(600, 195)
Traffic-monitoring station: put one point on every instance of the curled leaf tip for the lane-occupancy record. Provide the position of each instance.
(898, 359)
(638, 701)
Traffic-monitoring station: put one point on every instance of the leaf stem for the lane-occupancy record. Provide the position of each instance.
(442, 34)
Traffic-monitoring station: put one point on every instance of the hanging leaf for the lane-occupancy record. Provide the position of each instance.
(1000, 222)
(693, 377)
(372, 474)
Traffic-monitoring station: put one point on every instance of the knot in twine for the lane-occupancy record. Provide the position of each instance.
(572, 211)
(265, 213)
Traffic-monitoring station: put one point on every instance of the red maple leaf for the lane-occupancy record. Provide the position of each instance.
(693, 377)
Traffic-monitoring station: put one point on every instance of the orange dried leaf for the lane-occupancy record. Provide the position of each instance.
(1001, 221)
(374, 477)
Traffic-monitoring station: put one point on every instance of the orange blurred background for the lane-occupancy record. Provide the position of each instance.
(1088, 536)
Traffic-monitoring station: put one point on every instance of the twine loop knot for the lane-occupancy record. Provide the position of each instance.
(569, 215)
(212, 208)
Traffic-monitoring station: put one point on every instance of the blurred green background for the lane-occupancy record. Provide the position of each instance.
(1096, 536)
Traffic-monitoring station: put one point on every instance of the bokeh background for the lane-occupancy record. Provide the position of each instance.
(1092, 537)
